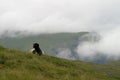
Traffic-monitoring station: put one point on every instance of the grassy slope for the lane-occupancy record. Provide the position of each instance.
(17, 65)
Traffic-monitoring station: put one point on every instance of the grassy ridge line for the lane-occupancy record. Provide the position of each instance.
(17, 65)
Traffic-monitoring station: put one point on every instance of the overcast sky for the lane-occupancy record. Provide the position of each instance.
(41, 16)
(51, 16)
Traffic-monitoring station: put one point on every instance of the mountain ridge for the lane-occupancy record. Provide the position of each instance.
(63, 45)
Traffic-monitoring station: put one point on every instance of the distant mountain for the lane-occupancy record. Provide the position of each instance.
(60, 44)
(48, 42)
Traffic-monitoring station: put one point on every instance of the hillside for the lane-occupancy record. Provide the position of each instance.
(19, 65)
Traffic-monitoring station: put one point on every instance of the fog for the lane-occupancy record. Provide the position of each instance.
(51, 16)
(28, 17)
(108, 46)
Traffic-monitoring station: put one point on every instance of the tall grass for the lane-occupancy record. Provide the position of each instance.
(17, 65)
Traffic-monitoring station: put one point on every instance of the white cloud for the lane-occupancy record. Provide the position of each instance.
(108, 46)
(65, 53)
(58, 15)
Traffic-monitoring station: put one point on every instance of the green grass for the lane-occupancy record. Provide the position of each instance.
(18, 65)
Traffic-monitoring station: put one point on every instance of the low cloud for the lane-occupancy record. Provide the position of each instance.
(43, 16)
(108, 46)
(94, 47)
(65, 53)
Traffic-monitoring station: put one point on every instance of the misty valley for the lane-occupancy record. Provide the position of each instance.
(84, 46)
